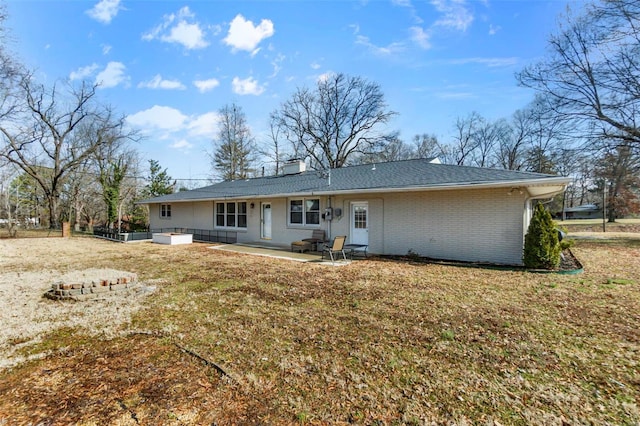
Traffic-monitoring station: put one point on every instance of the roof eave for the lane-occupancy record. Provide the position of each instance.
(546, 187)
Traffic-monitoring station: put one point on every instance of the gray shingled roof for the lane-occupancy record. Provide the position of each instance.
(393, 176)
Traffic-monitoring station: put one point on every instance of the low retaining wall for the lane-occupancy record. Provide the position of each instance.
(172, 238)
(89, 289)
(202, 235)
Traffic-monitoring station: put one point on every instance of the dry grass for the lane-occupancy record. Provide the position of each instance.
(375, 342)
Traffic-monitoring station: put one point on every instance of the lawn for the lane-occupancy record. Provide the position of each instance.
(237, 339)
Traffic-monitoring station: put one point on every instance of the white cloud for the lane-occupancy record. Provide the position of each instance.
(324, 77)
(215, 29)
(84, 72)
(315, 66)
(204, 125)
(176, 28)
(106, 48)
(276, 63)
(206, 85)
(104, 11)
(188, 35)
(158, 83)
(112, 75)
(455, 95)
(455, 14)
(391, 49)
(248, 86)
(243, 35)
(168, 20)
(158, 118)
(420, 37)
(490, 62)
(173, 129)
(493, 30)
(181, 144)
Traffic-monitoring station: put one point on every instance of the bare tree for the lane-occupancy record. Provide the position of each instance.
(618, 170)
(274, 151)
(548, 134)
(426, 146)
(393, 149)
(464, 139)
(341, 118)
(591, 75)
(583, 182)
(79, 184)
(513, 145)
(489, 137)
(9, 200)
(234, 148)
(58, 132)
(10, 73)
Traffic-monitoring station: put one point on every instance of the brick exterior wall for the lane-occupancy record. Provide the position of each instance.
(485, 225)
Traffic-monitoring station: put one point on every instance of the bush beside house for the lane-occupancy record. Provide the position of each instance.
(541, 246)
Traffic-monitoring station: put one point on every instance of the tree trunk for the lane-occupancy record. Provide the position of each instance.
(53, 211)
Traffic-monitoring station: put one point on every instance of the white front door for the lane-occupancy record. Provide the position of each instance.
(360, 223)
(266, 221)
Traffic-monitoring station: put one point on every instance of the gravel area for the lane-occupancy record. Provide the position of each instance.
(26, 315)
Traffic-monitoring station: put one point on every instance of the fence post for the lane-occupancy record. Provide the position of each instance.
(66, 229)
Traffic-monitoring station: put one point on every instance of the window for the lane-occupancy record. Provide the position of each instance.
(165, 211)
(242, 215)
(312, 211)
(305, 212)
(360, 217)
(231, 215)
(295, 212)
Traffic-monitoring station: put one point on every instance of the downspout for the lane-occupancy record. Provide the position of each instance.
(329, 221)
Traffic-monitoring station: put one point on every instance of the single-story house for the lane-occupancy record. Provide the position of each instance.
(585, 211)
(418, 206)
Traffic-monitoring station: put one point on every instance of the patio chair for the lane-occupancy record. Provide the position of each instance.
(337, 246)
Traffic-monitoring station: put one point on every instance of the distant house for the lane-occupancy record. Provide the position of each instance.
(585, 211)
(434, 210)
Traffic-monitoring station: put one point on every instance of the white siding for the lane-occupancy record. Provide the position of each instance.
(470, 225)
(282, 234)
(485, 225)
(183, 215)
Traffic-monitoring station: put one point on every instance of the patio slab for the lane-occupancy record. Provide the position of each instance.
(277, 253)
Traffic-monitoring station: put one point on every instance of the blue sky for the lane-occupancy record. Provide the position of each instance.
(169, 66)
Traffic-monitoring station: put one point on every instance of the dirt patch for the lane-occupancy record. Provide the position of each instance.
(26, 315)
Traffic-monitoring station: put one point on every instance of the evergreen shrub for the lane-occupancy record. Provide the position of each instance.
(541, 246)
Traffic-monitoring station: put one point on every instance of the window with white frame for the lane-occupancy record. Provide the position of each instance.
(231, 214)
(165, 211)
(304, 211)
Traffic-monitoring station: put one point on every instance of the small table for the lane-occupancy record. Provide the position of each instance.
(356, 248)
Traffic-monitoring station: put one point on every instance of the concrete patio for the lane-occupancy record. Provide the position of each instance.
(277, 252)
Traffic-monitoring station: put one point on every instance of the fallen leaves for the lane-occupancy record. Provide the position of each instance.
(377, 341)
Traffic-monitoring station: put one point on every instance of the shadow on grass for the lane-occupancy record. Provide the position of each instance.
(610, 242)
